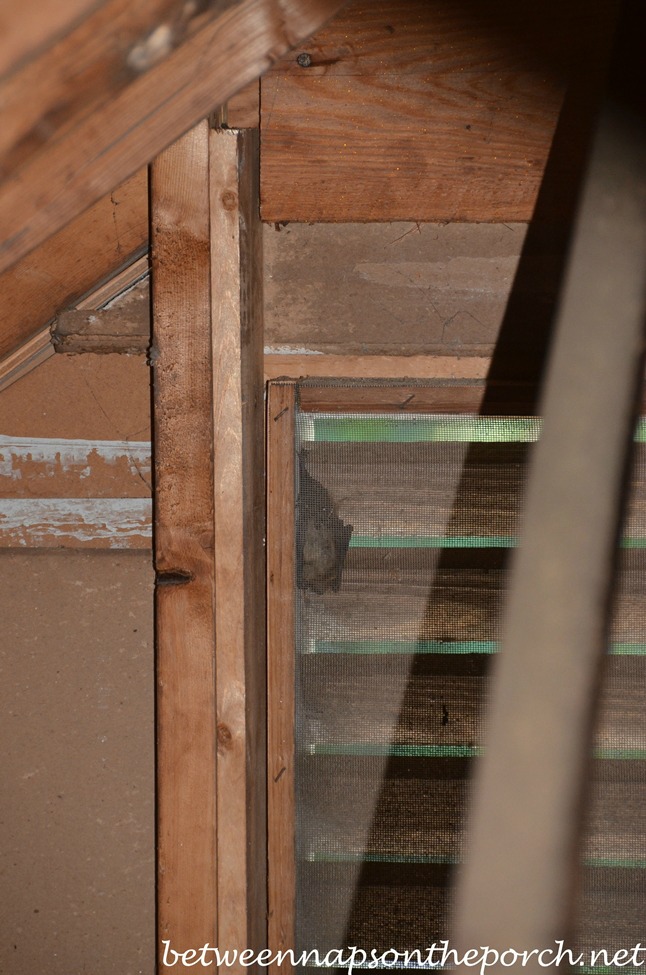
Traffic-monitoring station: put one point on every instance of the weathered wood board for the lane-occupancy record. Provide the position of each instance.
(122, 327)
(423, 109)
(76, 523)
(239, 502)
(281, 758)
(75, 260)
(33, 467)
(184, 550)
(115, 91)
(393, 288)
(57, 493)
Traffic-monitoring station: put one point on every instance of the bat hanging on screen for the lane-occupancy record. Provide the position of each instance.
(322, 538)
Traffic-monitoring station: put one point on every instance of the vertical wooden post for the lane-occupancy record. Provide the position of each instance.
(280, 666)
(184, 553)
(238, 458)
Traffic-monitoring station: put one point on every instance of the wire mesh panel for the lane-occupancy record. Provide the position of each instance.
(611, 907)
(404, 524)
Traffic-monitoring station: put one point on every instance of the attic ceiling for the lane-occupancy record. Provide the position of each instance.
(410, 110)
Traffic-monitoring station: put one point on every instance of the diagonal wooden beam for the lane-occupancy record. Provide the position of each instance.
(90, 65)
(28, 27)
(98, 144)
(516, 887)
(88, 251)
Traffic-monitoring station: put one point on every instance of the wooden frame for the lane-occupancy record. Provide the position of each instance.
(284, 397)
(209, 524)
(184, 547)
(280, 664)
(239, 516)
(404, 396)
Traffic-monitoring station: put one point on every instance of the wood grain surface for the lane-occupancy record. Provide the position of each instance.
(238, 459)
(420, 110)
(131, 88)
(93, 248)
(123, 327)
(280, 667)
(393, 288)
(184, 556)
(27, 27)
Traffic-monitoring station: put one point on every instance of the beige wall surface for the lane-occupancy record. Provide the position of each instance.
(76, 705)
(77, 814)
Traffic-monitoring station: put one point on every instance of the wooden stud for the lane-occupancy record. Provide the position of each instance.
(238, 458)
(280, 666)
(184, 555)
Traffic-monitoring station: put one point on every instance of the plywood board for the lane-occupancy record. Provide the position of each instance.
(392, 288)
(77, 721)
(418, 110)
(80, 397)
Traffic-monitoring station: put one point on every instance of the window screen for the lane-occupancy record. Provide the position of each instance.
(404, 527)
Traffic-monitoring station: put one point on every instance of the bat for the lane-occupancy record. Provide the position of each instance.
(322, 538)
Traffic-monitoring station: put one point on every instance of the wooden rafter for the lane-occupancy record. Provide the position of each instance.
(27, 27)
(125, 108)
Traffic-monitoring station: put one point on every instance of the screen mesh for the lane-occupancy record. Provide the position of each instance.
(404, 524)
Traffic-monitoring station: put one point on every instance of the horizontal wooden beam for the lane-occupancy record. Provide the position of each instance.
(304, 366)
(120, 110)
(409, 110)
(120, 329)
(443, 397)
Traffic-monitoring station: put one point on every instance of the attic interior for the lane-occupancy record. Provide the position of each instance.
(374, 237)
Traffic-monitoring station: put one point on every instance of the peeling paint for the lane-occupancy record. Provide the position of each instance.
(70, 453)
(31, 467)
(77, 522)
(290, 350)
